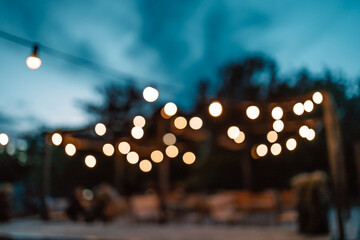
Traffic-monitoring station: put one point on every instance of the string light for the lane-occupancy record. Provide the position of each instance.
(124, 147)
(253, 112)
(132, 157)
(298, 109)
(308, 106)
(215, 109)
(275, 149)
(233, 132)
(157, 156)
(100, 129)
(90, 161)
(311, 135)
(261, 150)
(169, 139)
(4, 139)
(278, 125)
(33, 61)
(277, 113)
(189, 158)
(172, 151)
(272, 136)
(108, 149)
(240, 138)
(291, 144)
(145, 165)
(70, 149)
(317, 97)
(180, 122)
(150, 94)
(170, 109)
(139, 121)
(137, 132)
(56, 139)
(195, 123)
(304, 131)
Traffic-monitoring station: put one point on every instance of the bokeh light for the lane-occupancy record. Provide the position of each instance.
(169, 139)
(189, 158)
(298, 108)
(180, 123)
(88, 194)
(100, 129)
(139, 121)
(215, 109)
(233, 132)
(90, 161)
(172, 151)
(275, 149)
(132, 157)
(308, 106)
(157, 156)
(150, 94)
(137, 132)
(4, 139)
(124, 147)
(56, 139)
(33, 62)
(291, 144)
(108, 149)
(272, 136)
(277, 113)
(240, 138)
(170, 109)
(278, 125)
(311, 134)
(303, 131)
(253, 112)
(317, 97)
(70, 149)
(261, 150)
(145, 165)
(195, 123)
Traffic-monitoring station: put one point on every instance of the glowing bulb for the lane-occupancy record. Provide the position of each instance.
(298, 109)
(100, 129)
(70, 149)
(56, 139)
(253, 112)
(139, 121)
(180, 122)
(275, 149)
(215, 109)
(261, 150)
(172, 151)
(90, 161)
(157, 156)
(150, 94)
(189, 158)
(277, 113)
(4, 139)
(132, 157)
(170, 109)
(233, 132)
(311, 135)
(291, 144)
(195, 123)
(240, 138)
(145, 165)
(33, 62)
(317, 97)
(137, 132)
(272, 136)
(108, 149)
(169, 139)
(124, 147)
(278, 125)
(308, 106)
(303, 131)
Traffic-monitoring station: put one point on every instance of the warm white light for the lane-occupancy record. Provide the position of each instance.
(189, 158)
(170, 109)
(298, 109)
(145, 165)
(157, 156)
(215, 109)
(275, 149)
(4, 139)
(180, 122)
(139, 121)
(291, 144)
(169, 139)
(278, 125)
(172, 151)
(124, 147)
(132, 157)
(150, 94)
(317, 97)
(240, 138)
(261, 150)
(56, 139)
(70, 149)
(253, 112)
(303, 131)
(311, 135)
(100, 129)
(90, 161)
(195, 123)
(108, 149)
(137, 132)
(277, 113)
(233, 132)
(308, 106)
(272, 136)
(33, 62)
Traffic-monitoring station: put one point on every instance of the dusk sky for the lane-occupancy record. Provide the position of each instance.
(172, 42)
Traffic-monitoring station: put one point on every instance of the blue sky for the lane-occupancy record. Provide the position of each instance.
(173, 42)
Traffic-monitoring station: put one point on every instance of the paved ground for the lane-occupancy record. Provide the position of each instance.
(126, 230)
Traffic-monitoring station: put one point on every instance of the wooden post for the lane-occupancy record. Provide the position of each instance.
(336, 157)
(357, 164)
(46, 180)
(119, 177)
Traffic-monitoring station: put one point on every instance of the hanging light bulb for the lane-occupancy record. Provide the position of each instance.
(33, 61)
(150, 94)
